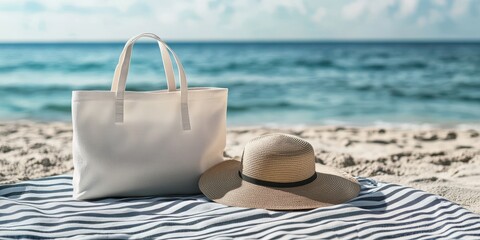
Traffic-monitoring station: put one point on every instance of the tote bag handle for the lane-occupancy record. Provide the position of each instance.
(167, 62)
(121, 73)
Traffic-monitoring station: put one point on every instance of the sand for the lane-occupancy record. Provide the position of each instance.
(440, 161)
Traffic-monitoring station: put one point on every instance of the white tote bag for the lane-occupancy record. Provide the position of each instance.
(146, 143)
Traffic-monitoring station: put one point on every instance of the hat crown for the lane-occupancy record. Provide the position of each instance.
(278, 158)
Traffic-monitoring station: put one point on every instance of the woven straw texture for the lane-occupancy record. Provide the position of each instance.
(277, 158)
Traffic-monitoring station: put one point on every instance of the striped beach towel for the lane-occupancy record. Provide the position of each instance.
(44, 209)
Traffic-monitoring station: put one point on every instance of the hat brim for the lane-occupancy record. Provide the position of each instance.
(222, 184)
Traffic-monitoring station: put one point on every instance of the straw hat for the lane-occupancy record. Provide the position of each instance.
(277, 172)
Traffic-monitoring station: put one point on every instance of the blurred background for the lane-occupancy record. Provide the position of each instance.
(352, 62)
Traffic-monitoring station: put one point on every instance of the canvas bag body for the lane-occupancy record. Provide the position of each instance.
(146, 143)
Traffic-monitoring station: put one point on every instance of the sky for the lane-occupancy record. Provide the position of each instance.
(191, 20)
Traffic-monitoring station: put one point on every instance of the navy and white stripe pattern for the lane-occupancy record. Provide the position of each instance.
(44, 209)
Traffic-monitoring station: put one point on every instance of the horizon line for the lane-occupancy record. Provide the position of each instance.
(419, 40)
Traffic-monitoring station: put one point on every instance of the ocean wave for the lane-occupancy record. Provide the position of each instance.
(460, 92)
(363, 88)
(417, 95)
(375, 55)
(475, 85)
(260, 66)
(257, 66)
(135, 86)
(232, 107)
(232, 66)
(464, 91)
(450, 59)
(400, 66)
(52, 89)
(374, 67)
(315, 63)
(306, 83)
(46, 89)
(65, 108)
(87, 67)
(62, 67)
(23, 66)
(411, 65)
(323, 63)
(475, 98)
(446, 95)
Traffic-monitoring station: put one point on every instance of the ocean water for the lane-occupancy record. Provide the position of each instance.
(269, 83)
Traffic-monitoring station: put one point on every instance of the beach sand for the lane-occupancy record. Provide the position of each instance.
(440, 161)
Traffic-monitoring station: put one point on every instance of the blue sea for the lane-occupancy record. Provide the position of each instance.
(277, 83)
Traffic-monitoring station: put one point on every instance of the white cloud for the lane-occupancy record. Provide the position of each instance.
(319, 15)
(377, 8)
(354, 10)
(433, 17)
(459, 8)
(366, 8)
(407, 7)
(36, 20)
(272, 5)
(440, 2)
